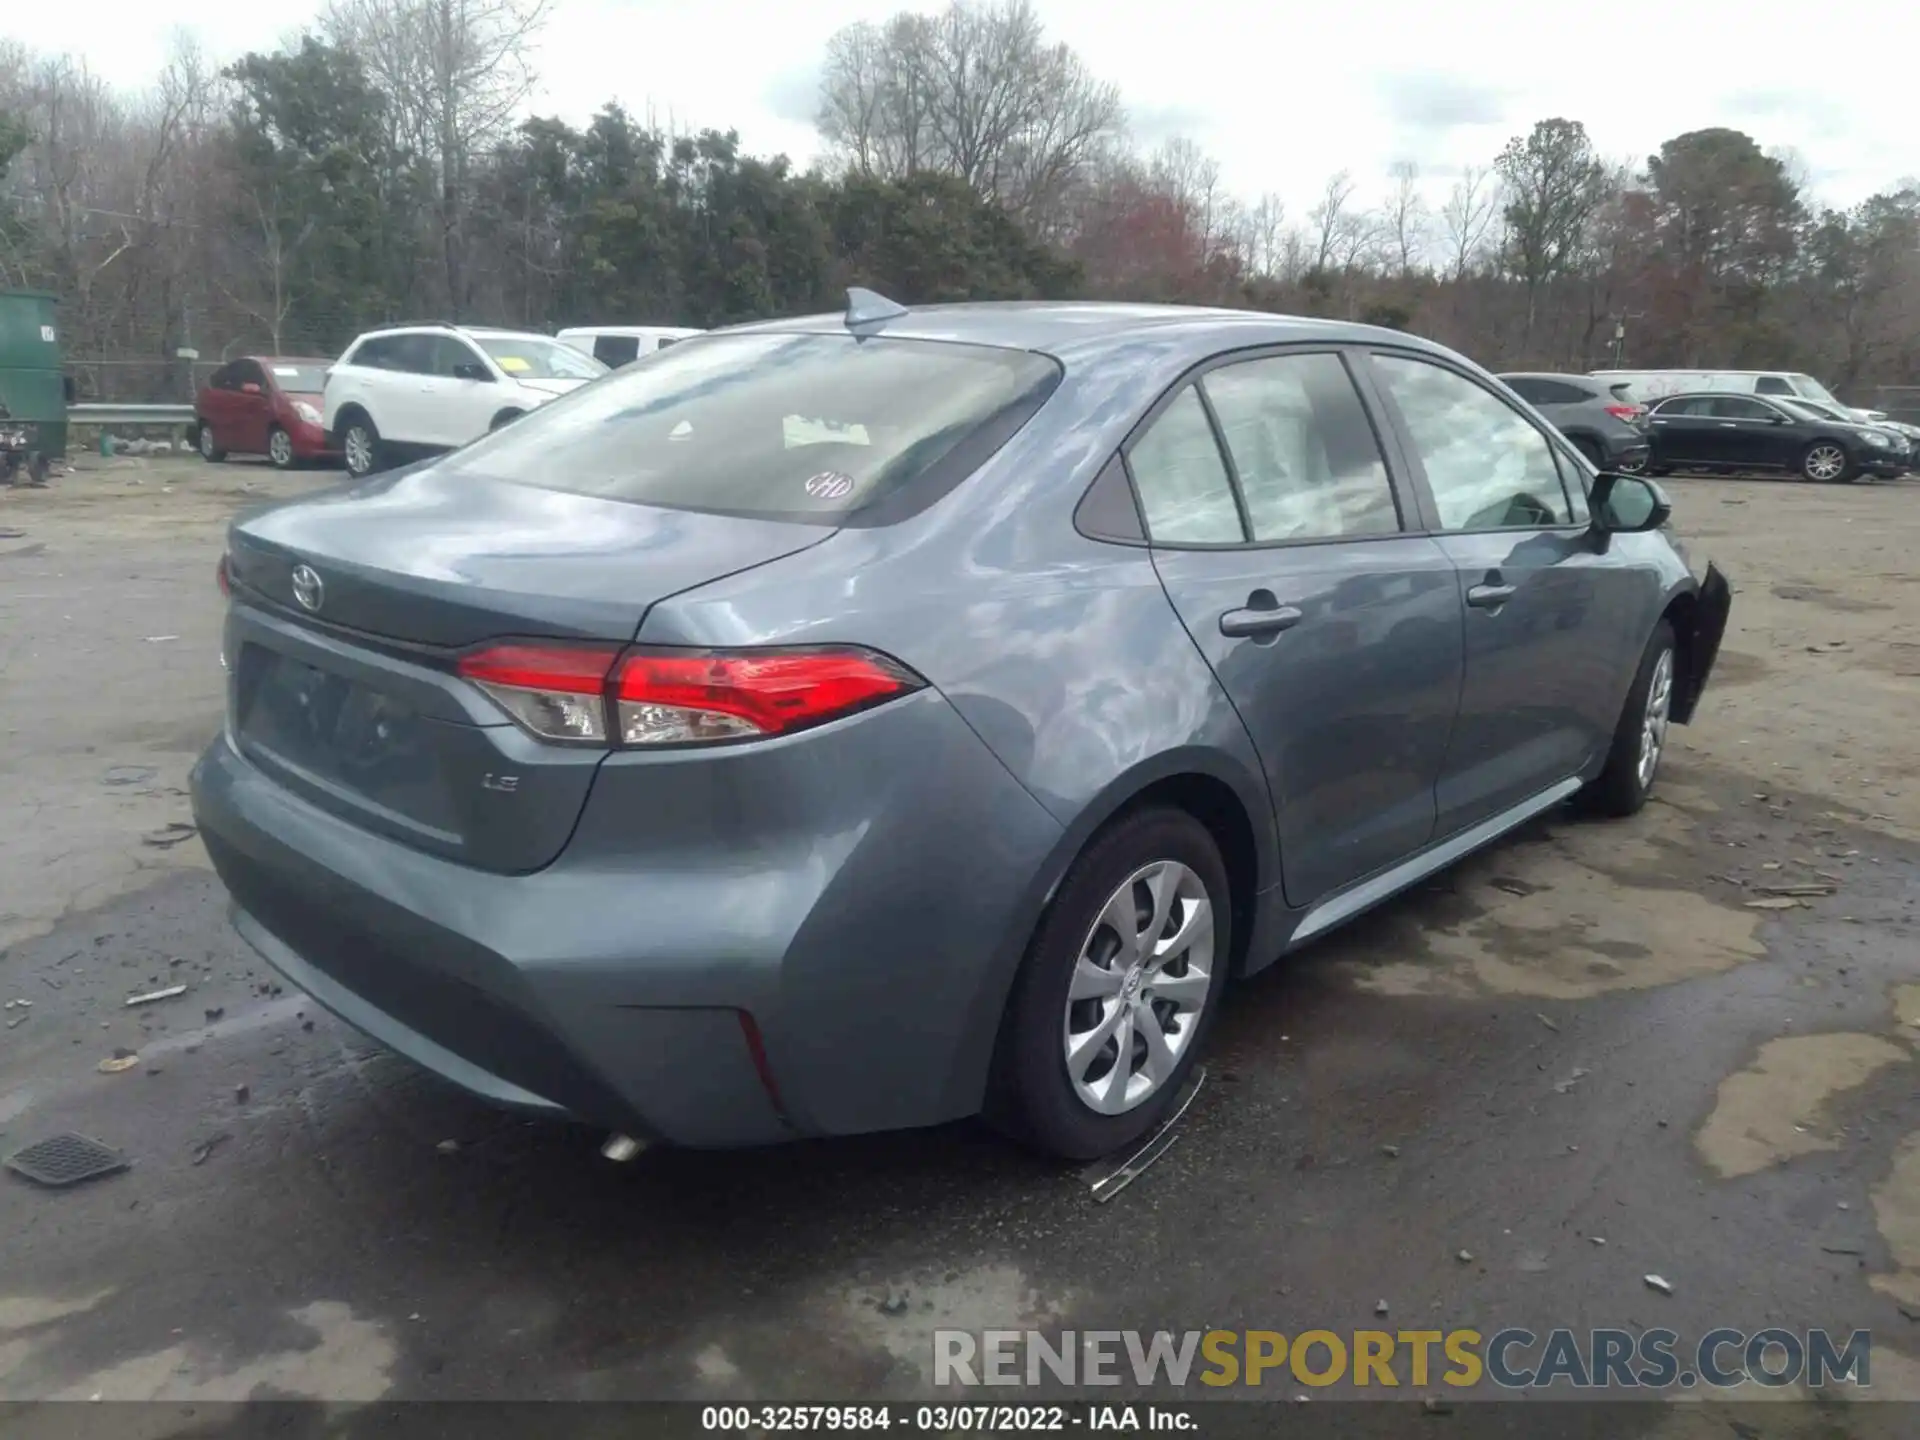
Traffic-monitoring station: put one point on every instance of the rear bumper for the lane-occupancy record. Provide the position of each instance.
(1712, 607)
(865, 907)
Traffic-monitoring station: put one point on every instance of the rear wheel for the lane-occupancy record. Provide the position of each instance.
(280, 449)
(360, 445)
(209, 452)
(1640, 739)
(1591, 451)
(1120, 983)
(1825, 462)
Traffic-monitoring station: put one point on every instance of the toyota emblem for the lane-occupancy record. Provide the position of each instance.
(307, 588)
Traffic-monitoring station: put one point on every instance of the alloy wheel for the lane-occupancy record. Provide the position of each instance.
(206, 442)
(1139, 987)
(359, 446)
(1825, 462)
(280, 448)
(1653, 725)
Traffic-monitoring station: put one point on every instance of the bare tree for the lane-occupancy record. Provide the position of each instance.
(1266, 226)
(1336, 225)
(974, 91)
(457, 72)
(1467, 218)
(1406, 219)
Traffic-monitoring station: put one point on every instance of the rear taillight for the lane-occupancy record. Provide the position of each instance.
(557, 692)
(595, 696)
(1626, 412)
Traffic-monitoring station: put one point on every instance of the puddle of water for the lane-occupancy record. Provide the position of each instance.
(1896, 1210)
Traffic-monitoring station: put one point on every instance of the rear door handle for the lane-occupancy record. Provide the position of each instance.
(1489, 597)
(1238, 624)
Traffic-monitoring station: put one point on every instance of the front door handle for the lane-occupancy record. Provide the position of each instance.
(1489, 597)
(1239, 624)
(1729, 425)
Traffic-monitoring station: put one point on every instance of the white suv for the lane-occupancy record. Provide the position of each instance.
(417, 389)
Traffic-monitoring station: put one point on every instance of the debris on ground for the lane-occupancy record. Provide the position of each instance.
(214, 1012)
(1573, 1079)
(170, 834)
(1392, 1152)
(1598, 1239)
(895, 1303)
(1465, 1257)
(128, 775)
(62, 1160)
(1842, 1250)
(241, 1094)
(1654, 1282)
(1820, 888)
(448, 1147)
(120, 1060)
(1380, 1307)
(1512, 886)
(1776, 902)
(206, 1147)
(157, 639)
(1544, 1020)
(153, 995)
(1432, 1406)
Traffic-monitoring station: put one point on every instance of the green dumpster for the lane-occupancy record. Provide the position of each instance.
(32, 383)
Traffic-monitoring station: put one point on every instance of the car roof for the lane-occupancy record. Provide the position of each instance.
(1087, 327)
(1546, 375)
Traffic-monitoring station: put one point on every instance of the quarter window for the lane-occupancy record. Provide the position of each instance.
(1488, 468)
(1181, 479)
(1308, 463)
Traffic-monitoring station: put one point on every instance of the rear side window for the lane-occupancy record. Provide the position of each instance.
(813, 428)
(1736, 407)
(1181, 479)
(1773, 385)
(614, 351)
(1308, 463)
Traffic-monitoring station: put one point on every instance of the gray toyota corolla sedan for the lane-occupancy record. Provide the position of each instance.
(863, 721)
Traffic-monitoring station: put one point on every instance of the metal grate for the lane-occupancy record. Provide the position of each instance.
(66, 1160)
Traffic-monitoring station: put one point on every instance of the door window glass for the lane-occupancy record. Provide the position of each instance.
(1182, 481)
(1487, 467)
(1308, 463)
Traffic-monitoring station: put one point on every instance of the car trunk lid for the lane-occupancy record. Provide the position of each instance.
(351, 608)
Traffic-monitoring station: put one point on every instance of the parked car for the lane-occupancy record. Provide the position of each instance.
(1744, 432)
(1907, 435)
(1650, 385)
(1603, 421)
(858, 722)
(263, 405)
(415, 390)
(617, 345)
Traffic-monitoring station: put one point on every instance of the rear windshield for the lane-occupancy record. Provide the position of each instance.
(298, 379)
(814, 428)
(528, 357)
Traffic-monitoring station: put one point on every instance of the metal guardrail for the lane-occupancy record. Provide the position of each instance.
(129, 414)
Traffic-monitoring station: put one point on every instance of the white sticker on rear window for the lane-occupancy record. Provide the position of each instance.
(830, 485)
(286, 370)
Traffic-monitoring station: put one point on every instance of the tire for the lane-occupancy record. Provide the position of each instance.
(280, 449)
(1035, 1098)
(505, 417)
(203, 442)
(1590, 450)
(1826, 463)
(1659, 471)
(360, 446)
(1624, 783)
(1631, 467)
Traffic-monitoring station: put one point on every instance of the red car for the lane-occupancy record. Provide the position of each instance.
(264, 405)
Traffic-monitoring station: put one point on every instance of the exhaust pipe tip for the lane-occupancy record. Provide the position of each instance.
(622, 1148)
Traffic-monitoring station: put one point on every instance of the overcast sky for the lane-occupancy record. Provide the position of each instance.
(1282, 96)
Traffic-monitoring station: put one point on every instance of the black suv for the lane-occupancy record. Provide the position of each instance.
(1745, 432)
(1602, 420)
